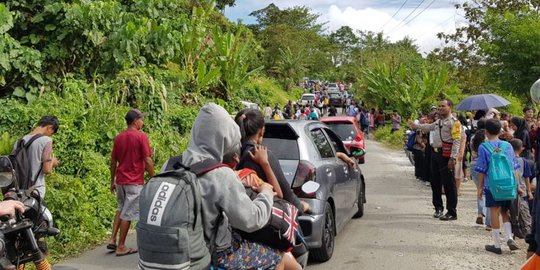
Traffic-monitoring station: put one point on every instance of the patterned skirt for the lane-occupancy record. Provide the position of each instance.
(249, 255)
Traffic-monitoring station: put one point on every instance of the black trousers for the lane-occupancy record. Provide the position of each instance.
(419, 164)
(427, 164)
(441, 176)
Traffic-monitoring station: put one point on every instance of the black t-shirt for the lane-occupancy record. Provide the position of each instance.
(332, 111)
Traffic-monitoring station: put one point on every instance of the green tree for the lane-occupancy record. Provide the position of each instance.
(406, 90)
(512, 51)
(295, 29)
(463, 47)
(222, 4)
(345, 41)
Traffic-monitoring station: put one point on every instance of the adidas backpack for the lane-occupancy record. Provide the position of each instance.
(502, 181)
(170, 230)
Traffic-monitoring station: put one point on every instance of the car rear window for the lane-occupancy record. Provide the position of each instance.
(282, 141)
(345, 130)
(335, 95)
(308, 97)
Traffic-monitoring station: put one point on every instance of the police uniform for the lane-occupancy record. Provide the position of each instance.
(443, 133)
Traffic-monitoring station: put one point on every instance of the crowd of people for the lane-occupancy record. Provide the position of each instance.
(367, 119)
(446, 145)
(449, 148)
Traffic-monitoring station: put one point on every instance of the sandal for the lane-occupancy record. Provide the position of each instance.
(111, 246)
(128, 252)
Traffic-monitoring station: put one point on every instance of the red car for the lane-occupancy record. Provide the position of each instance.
(348, 129)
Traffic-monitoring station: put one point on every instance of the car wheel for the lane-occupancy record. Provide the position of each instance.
(361, 200)
(324, 253)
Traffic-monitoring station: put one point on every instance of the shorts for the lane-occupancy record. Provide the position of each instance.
(128, 201)
(490, 202)
(249, 255)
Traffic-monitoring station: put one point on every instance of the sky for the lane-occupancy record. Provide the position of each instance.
(420, 20)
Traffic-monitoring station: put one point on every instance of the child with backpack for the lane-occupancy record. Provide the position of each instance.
(477, 139)
(497, 174)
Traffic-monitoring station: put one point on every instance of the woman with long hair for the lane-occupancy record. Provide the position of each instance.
(521, 132)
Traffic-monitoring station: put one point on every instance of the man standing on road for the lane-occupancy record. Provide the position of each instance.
(129, 159)
(443, 159)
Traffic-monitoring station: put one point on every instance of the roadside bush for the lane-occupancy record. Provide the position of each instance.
(90, 117)
(385, 136)
(266, 90)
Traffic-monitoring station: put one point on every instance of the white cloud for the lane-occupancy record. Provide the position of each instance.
(371, 15)
(423, 28)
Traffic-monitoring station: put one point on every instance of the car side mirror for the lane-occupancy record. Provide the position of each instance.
(357, 152)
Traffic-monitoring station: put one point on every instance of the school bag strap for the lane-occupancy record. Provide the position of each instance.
(26, 145)
(491, 149)
(21, 145)
(212, 249)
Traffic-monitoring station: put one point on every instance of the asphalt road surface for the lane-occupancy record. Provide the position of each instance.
(396, 232)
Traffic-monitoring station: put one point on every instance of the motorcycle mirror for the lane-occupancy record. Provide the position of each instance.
(310, 187)
(6, 172)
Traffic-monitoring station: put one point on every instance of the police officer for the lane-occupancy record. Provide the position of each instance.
(446, 140)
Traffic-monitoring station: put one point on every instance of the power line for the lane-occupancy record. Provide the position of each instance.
(389, 20)
(420, 12)
(440, 24)
(391, 30)
(412, 19)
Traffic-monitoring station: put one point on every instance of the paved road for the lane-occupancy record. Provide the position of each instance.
(396, 232)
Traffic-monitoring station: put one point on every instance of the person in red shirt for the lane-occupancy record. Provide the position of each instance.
(130, 157)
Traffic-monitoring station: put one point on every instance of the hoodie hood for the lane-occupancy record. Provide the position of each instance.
(213, 134)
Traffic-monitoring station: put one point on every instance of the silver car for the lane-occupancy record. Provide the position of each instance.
(307, 152)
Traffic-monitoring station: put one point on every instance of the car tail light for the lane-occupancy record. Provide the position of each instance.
(306, 171)
(358, 138)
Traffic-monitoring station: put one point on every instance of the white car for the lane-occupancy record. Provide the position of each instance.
(251, 105)
(333, 87)
(307, 99)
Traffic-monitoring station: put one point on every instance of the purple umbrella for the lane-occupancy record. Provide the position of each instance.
(482, 102)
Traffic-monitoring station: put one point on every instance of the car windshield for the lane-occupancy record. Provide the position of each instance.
(332, 85)
(345, 130)
(335, 95)
(308, 97)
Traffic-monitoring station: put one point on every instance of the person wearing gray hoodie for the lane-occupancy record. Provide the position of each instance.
(214, 135)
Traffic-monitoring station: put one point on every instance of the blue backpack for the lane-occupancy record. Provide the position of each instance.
(364, 119)
(410, 141)
(502, 181)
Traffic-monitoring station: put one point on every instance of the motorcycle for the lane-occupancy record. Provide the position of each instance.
(408, 151)
(19, 236)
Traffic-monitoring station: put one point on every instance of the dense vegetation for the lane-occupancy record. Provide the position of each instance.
(88, 62)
